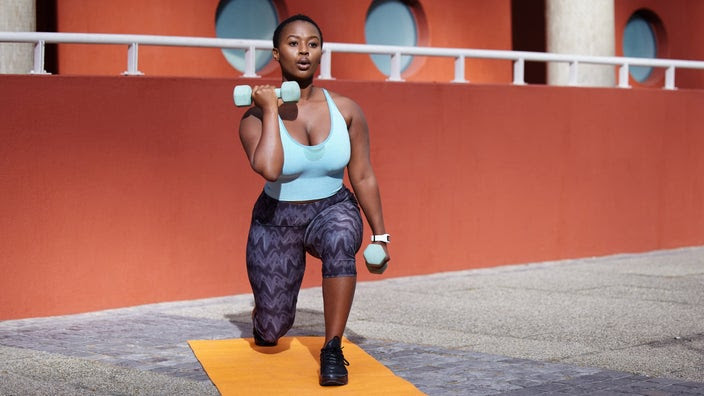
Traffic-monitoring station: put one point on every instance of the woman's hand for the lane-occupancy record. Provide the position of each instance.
(380, 268)
(264, 97)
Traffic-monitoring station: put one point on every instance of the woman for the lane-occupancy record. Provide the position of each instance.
(302, 149)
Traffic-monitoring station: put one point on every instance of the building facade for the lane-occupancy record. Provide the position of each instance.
(644, 28)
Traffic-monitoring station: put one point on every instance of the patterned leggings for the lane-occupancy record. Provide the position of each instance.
(280, 235)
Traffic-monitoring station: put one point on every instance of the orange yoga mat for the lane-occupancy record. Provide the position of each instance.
(238, 367)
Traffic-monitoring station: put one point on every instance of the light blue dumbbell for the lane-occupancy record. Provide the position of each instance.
(375, 258)
(289, 92)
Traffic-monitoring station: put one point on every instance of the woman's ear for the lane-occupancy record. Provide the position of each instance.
(275, 54)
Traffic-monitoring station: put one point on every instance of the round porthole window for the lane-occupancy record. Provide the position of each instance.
(640, 40)
(390, 22)
(246, 19)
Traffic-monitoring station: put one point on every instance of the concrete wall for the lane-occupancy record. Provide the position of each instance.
(16, 16)
(584, 28)
(127, 190)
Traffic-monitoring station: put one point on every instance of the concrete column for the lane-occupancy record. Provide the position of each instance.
(583, 28)
(17, 16)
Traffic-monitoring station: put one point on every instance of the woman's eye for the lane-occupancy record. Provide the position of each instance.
(313, 45)
(292, 43)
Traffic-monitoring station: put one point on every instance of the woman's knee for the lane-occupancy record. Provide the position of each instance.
(335, 233)
(269, 327)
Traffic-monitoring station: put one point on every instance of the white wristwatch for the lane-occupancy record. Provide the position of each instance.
(386, 238)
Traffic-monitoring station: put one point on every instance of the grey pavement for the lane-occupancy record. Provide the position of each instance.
(624, 324)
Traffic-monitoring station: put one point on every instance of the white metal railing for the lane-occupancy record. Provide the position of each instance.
(518, 58)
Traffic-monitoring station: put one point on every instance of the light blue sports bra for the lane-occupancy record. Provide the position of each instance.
(313, 172)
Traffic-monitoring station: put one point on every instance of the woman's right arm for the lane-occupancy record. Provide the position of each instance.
(259, 133)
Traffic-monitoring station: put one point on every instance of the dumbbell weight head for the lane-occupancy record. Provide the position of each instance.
(289, 92)
(242, 95)
(375, 258)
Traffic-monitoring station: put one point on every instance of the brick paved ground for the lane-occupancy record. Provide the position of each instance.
(146, 339)
(143, 350)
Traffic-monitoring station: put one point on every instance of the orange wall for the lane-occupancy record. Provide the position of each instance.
(120, 191)
(684, 36)
(450, 23)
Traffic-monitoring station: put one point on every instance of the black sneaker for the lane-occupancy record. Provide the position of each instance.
(332, 364)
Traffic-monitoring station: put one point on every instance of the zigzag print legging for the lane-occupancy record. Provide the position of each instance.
(280, 235)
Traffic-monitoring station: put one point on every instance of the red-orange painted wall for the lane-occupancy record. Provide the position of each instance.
(120, 190)
(683, 36)
(449, 23)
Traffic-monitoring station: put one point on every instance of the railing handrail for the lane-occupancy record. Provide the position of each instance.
(250, 46)
(127, 39)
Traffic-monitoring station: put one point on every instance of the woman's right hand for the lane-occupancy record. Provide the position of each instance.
(264, 97)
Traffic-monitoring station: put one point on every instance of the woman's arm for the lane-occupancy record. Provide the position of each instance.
(361, 172)
(259, 133)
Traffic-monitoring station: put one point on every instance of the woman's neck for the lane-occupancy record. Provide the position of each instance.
(307, 92)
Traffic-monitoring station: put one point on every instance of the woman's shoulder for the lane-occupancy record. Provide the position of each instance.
(345, 104)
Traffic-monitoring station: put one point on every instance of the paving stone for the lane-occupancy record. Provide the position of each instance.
(149, 343)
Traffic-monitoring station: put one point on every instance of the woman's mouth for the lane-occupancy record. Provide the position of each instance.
(303, 64)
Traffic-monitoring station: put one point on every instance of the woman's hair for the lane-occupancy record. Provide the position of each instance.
(294, 18)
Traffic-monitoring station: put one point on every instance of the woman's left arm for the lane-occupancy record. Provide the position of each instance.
(361, 172)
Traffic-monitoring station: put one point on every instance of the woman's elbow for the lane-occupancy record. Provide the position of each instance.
(362, 176)
(270, 176)
(270, 173)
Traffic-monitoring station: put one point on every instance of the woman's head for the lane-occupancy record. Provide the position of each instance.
(291, 19)
(298, 48)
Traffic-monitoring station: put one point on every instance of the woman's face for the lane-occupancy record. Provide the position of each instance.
(299, 50)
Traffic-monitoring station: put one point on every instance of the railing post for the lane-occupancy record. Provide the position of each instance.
(325, 65)
(459, 70)
(395, 67)
(623, 76)
(519, 71)
(573, 77)
(670, 78)
(250, 68)
(132, 60)
(39, 58)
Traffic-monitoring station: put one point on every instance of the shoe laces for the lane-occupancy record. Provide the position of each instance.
(334, 356)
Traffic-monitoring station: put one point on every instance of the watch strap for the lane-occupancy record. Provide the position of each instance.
(386, 238)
